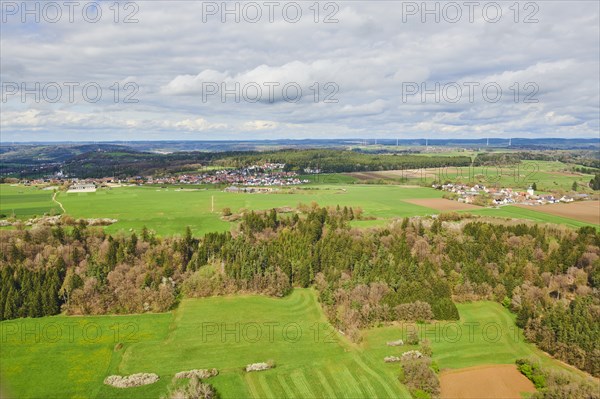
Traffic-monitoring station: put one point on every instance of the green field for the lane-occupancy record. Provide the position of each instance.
(485, 334)
(548, 176)
(169, 210)
(514, 212)
(25, 201)
(312, 360)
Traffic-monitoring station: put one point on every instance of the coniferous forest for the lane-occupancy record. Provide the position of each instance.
(414, 269)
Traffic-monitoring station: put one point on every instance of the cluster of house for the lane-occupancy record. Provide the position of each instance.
(502, 196)
(267, 174)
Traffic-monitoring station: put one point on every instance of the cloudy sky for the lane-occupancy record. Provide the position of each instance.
(356, 69)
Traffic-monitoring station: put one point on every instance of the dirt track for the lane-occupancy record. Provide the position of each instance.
(502, 381)
(441, 204)
(585, 211)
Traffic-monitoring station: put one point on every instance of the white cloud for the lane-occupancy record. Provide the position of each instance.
(368, 54)
(260, 125)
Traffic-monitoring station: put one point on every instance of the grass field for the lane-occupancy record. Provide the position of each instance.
(485, 334)
(312, 360)
(514, 212)
(547, 175)
(169, 210)
(226, 332)
(26, 202)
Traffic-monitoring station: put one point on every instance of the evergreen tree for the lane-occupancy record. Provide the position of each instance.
(10, 307)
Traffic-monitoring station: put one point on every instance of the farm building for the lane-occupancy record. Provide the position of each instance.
(82, 188)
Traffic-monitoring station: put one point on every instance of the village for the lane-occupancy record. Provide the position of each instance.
(264, 175)
(479, 194)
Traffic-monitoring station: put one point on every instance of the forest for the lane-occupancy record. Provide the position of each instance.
(415, 269)
(337, 161)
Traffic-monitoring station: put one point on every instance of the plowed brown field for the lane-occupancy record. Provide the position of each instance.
(502, 381)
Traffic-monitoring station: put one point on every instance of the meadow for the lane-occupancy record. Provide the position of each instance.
(547, 175)
(26, 202)
(227, 333)
(169, 210)
(514, 212)
(69, 357)
(485, 334)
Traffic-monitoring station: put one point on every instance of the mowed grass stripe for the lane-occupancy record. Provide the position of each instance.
(289, 393)
(329, 393)
(302, 305)
(349, 381)
(253, 387)
(357, 375)
(372, 385)
(269, 386)
(366, 384)
(330, 373)
(359, 361)
(301, 383)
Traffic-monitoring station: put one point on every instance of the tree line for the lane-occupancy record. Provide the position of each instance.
(338, 161)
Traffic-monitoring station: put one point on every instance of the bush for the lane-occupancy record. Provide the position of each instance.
(196, 389)
(419, 377)
(532, 370)
(133, 380)
(197, 373)
(412, 338)
(260, 366)
(426, 348)
(398, 342)
(552, 384)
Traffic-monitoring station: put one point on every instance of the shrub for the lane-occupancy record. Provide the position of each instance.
(195, 389)
(419, 377)
(395, 343)
(553, 384)
(133, 380)
(411, 355)
(412, 338)
(426, 348)
(260, 366)
(197, 373)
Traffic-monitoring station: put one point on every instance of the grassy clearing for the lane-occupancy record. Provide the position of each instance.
(312, 360)
(485, 334)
